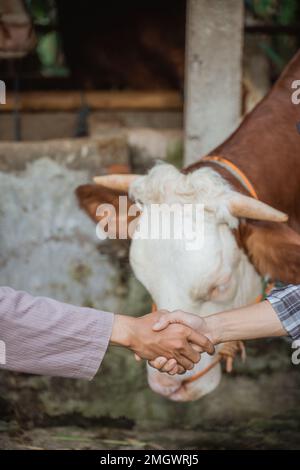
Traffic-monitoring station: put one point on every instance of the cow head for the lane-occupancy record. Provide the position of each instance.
(242, 241)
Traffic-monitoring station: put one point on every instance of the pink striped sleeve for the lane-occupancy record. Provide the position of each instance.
(43, 336)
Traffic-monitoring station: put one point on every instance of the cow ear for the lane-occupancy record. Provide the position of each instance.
(113, 209)
(274, 249)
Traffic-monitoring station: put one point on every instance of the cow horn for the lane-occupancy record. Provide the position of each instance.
(117, 181)
(250, 208)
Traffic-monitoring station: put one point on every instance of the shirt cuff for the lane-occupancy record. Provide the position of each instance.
(99, 332)
(286, 304)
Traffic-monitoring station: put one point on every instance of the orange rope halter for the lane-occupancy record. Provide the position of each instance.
(236, 171)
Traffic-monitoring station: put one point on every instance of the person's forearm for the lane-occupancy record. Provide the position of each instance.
(122, 331)
(254, 321)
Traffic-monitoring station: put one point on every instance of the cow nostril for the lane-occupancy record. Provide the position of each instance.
(165, 389)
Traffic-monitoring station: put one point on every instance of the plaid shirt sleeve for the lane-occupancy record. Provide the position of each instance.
(286, 303)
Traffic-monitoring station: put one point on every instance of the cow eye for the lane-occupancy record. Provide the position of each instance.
(220, 291)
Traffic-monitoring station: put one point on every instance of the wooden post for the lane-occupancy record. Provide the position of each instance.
(214, 35)
(72, 100)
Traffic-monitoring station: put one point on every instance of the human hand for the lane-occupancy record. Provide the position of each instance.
(195, 322)
(173, 343)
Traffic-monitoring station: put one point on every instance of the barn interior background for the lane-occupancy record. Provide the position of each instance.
(99, 87)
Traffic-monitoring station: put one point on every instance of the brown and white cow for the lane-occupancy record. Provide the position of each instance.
(244, 239)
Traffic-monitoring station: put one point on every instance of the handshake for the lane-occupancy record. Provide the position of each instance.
(172, 342)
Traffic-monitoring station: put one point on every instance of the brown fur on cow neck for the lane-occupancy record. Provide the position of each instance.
(266, 147)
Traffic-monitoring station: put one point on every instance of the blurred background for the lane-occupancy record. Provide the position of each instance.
(102, 87)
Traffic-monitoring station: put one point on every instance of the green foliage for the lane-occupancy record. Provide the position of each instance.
(264, 8)
(43, 12)
(283, 12)
(277, 13)
(50, 55)
(49, 48)
(288, 12)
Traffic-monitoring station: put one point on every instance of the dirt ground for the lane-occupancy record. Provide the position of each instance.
(257, 407)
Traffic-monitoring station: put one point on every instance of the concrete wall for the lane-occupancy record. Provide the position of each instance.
(48, 246)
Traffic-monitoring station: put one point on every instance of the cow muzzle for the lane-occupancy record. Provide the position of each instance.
(180, 387)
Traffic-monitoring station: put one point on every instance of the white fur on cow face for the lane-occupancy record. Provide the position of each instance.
(216, 277)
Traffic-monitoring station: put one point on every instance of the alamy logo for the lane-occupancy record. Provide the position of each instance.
(296, 94)
(296, 353)
(2, 352)
(295, 98)
(152, 222)
(2, 92)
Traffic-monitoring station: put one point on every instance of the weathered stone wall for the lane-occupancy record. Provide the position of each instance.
(48, 246)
